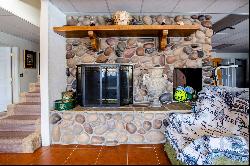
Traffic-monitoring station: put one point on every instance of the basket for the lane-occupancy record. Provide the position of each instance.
(62, 105)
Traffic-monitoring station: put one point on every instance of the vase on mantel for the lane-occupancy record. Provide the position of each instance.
(156, 85)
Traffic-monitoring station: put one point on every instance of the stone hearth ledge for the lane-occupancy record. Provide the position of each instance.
(109, 126)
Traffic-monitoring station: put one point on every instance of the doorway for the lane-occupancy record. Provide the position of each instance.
(6, 94)
(241, 73)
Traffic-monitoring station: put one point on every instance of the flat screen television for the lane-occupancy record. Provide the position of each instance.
(183, 77)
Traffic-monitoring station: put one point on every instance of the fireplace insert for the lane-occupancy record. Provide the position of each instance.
(100, 85)
(188, 77)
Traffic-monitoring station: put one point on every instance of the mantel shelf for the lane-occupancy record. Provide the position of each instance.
(102, 31)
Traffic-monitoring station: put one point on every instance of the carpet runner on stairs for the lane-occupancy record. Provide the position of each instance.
(20, 128)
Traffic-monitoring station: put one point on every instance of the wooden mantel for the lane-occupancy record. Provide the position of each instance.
(101, 31)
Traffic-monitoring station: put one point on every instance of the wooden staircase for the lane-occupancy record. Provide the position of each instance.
(20, 128)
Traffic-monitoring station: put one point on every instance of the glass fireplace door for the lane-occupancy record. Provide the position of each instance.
(104, 85)
(110, 85)
(126, 84)
(92, 86)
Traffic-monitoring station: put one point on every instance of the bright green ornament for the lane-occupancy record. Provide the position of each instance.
(180, 95)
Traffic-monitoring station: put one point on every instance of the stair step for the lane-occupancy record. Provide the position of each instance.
(34, 87)
(27, 112)
(18, 126)
(32, 94)
(35, 84)
(19, 123)
(37, 91)
(19, 141)
(22, 117)
(29, 105)
(33, 99)
(27, 108)
(34, 90)
(16, 137)
(30, 97)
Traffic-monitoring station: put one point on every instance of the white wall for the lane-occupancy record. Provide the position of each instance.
(44, 75)
(53, 63)
(57, 52)
(5, 78)
(30, 75)
(235, 56)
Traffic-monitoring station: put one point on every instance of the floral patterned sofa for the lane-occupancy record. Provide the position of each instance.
(216, 132)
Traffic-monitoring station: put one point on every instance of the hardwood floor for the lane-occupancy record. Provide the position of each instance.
(149, 154)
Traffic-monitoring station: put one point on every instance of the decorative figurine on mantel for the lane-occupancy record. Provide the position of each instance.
(156, 84)
(92, 22)
(121, 18)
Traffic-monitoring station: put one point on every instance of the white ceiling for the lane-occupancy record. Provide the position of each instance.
(16, 26)
(34, 3)
(218, 9)
(238, 36)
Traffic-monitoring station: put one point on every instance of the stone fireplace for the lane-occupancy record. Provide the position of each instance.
(130, 125)
(143, 54)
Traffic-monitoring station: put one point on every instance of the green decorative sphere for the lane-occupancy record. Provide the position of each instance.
(189, 96)
(180, 95)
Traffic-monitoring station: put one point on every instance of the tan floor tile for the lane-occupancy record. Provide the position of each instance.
(4, 158)
(113, 155)
(141, 156)
(54, 156)
(21, 158)
(82, 156)
(161, 156)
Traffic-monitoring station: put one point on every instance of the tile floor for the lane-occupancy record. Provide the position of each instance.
(90, 155)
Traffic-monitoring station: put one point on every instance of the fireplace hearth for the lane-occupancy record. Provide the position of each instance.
(104, 85)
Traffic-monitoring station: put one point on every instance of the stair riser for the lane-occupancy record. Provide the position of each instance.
(11, 148)
(18, 127)
(35, 89)
(30, 99)
(27, 113)
(31, 108)
(34, 85)
(24, 109)
(19, 122)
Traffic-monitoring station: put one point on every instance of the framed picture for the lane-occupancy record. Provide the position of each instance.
(29, 59)
(39, 63)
